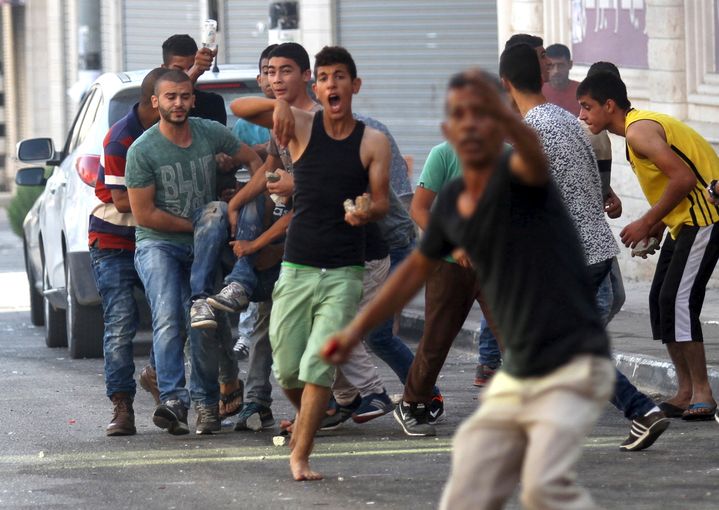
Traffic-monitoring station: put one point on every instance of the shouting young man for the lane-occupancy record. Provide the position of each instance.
(335, 158)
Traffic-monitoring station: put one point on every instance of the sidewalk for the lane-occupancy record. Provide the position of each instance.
(644, 361)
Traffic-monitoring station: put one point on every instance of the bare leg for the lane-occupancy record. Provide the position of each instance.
(684, 393)
(314, 404)
(696, 361)
(294, 395)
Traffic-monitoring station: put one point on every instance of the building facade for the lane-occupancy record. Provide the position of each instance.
(668, 52)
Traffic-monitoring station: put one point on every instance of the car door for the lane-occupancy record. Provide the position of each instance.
(51, 217)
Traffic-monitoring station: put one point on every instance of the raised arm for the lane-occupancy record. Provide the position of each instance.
(257, 110)
(142, 203)
(647, 140)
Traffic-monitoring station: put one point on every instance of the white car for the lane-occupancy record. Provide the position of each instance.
(62, 288)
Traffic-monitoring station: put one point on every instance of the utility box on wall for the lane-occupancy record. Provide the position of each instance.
(284, 23)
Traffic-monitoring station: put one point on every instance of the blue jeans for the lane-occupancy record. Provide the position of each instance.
(116, 280)
(382, 342)
(249, 226)
(210, 237)
(489, 353)
(610, 298)
(164, 269)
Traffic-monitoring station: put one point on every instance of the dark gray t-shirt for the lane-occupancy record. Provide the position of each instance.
(531, 269)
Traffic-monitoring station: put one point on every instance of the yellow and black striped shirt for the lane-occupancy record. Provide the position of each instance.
(698, 155)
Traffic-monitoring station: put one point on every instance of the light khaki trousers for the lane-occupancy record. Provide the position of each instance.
(530, 431)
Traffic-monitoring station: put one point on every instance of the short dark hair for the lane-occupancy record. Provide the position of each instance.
(533, 41)
(295, 52)
(471, 78)
(147, 89)
(265, 54)
(330, 55)
(178, 45)
(559, 51)
(603, 67)
(172, 75)
(604, 86)
(520, 66)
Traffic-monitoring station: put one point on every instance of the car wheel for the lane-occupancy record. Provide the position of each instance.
(55, 333)
(84, 325)
(37, 312)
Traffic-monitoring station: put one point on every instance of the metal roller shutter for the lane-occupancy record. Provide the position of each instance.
(243, 42)
(148, 24)
(405, 53)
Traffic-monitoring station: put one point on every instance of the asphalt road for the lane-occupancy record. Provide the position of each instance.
(54, 453)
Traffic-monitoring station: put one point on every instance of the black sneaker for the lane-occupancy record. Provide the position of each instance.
(255, 417)
(202, 316)
(208, 419)
(341, 414)
(372, 406)
(645, 430)
(414, 419)
(233, 298)
(171, 416)
(436, 410)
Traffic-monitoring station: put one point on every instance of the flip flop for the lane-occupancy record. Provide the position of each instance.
(671, 411)
(229, 401)
(699, 411)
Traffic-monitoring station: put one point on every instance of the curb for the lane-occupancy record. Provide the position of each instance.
(649, 373)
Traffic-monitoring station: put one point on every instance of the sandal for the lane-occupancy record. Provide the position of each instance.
(230, 404)
(699, 411)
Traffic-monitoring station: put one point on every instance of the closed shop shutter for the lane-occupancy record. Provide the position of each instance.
(148, 24)
(243, 42)
(406, 51)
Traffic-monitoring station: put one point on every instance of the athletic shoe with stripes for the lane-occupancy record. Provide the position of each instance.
(373, 406)
(644, 431)
(414, 419)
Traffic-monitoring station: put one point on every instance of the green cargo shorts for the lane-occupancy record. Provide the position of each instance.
(309, 304)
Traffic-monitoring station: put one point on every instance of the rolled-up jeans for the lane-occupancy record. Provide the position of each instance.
(164, 269)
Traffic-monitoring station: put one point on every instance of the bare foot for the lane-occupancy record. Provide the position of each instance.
(301, 470)
(680, 400)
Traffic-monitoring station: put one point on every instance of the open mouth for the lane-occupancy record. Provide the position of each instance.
(335, 102)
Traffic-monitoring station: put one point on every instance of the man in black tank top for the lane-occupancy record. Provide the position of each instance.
(335, 158)
(508, 216)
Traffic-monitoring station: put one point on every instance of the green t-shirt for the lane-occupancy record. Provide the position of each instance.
(184, 178)
(441, 166)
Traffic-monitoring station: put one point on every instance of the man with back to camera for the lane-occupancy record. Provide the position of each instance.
(171, 186)
(574, 170)
(674, 166)
(509, 217)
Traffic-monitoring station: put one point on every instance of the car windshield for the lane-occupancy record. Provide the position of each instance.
(123, 100)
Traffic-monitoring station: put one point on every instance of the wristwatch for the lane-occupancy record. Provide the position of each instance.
(712, 190)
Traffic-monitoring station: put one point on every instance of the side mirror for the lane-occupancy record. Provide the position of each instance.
(35, 149)
(30, 176)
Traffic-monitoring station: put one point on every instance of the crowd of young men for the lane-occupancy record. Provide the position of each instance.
(513, 212)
